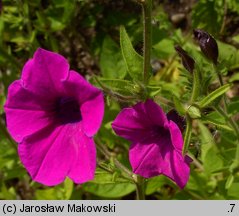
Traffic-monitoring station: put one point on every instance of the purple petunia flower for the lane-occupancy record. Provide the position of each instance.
(157, 142)
(53, 112)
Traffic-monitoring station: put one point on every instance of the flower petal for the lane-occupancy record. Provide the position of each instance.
(91, 101)
(176, 136)
(155, 113)
(137, 122)
(178, 169)
(50, 154)
(147, 159)
(128, 124)
(43, 74)
(83, 169)
(26, 112)
(160, 157)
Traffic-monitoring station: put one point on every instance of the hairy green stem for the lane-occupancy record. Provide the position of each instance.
(196, 85)
(147, 10)
(140, 187)
(188, 134)
(219, 76)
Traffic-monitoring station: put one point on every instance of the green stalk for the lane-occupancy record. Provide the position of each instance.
(196, 85)
(188, 134)
(147, 20)
(147, 11)
(140, 187)
(219, 76)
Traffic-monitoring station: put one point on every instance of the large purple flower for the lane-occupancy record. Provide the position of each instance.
(53, 112)
(157, 142)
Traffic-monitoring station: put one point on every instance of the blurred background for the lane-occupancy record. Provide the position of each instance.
(86, 32)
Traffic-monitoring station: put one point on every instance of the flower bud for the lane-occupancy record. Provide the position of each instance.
(187, 60)
(207, 44)
(194, 112)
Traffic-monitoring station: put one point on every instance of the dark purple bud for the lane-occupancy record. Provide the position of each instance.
(187, 60)
(176, 118)
(207, 44)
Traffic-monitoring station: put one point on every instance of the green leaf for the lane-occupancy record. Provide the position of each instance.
(123, 87)
(109, 185)
(133, 60)
(213, 95)
(7, 193)
(208, 15)
(235, 77)
(104, 177)
(212, 162)
(233, 107)
(46, 194)
(216, 122)
(206, 139)
(228, 55)
(109, 190)
(164, 49)
(233, 191)
(68, 188)
(179, 106)
(112, 64)
(153, 184)
(154, 90)
(62, 191)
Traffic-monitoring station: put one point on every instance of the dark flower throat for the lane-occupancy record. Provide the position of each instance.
(68, 110)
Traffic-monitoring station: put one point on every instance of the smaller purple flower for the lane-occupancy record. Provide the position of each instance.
(53, 113)
(157, 142)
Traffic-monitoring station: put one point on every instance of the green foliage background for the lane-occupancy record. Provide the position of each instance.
(88, 33)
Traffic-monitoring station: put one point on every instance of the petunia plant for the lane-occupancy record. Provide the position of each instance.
(156, 117)
(160, 142)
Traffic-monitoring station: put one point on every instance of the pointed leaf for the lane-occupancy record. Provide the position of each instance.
(123, 87)
(111, 190)
(133, 60)
(111, 60)
(213, 95)
(216, 122)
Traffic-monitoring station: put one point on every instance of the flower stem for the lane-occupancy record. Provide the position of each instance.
(219, 76)
(188, 134)
(140, 187)
(147, 10)
(103, 149)
(196, 85)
